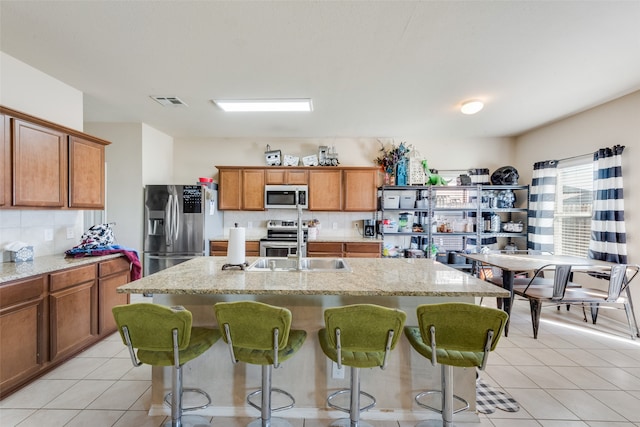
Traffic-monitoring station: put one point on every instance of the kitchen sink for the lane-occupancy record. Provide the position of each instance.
(308, 264)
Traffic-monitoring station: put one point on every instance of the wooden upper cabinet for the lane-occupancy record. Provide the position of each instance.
(325, 190)
(39, 165)
(240, 189)
(86, 174)
(253, 189)
(360, 189)
(286, 176)
(229, 189)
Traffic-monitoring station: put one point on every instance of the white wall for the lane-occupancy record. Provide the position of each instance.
(123, 159)
(157, 157)
(198, 157)
(613, 123)
(28, 90)
(138, 155)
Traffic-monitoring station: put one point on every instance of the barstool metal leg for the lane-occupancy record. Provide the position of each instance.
(354, 414)
(266, 396)
(447, 395)
(176, 397)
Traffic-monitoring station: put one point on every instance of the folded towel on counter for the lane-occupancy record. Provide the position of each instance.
(131, 254)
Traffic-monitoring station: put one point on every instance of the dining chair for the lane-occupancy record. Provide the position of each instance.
(566, 292)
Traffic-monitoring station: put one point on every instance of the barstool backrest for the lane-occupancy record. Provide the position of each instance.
(364, 327)
(151, 326)
(252, 324)
(461, 326)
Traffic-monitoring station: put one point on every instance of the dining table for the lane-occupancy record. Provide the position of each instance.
(513, 263)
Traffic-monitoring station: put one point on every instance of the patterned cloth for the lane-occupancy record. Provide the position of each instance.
(488, 399)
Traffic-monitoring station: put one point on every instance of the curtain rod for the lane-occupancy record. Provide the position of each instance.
(575, 157)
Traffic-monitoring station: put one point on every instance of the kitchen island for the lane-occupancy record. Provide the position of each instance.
(402, 283)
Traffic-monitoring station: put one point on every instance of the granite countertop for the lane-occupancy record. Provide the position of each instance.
(10, 271)
(369, 277)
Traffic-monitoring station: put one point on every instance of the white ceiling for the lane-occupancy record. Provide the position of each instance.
(373, 68)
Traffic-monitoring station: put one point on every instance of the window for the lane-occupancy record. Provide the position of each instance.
(572, 217)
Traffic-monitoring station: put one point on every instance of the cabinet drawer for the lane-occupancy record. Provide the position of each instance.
(23, 290)
(324, 247)
(71, 277)
(372, 248)
(113, 266)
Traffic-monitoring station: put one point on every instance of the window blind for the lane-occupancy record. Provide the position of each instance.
(572, 216)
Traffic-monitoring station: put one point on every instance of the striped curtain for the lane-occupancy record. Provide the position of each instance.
(608, 235)
(542, 201)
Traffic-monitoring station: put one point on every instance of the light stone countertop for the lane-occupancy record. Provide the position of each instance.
(369, 277)
(10, 271)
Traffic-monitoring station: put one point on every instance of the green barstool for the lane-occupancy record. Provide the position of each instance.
(165, 336)
(260, 334)
(454, 334)
(359, 336)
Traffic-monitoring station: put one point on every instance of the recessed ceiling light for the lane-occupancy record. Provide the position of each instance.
(472, 106)
(264, 105)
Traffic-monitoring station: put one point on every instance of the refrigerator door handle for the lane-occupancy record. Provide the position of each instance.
(176, 213)
(168, 223)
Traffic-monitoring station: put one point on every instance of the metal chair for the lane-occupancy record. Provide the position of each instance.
(617, 294)
(260, 334)
(359, 336)
(454, 334)
(164, 336)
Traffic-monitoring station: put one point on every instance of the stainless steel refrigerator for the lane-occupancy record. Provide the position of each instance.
(179, 221)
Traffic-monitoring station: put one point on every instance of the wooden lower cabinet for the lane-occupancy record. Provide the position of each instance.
(23, 326)
(111, 275)
(363, 249)
(219, 248)
(46, 319)
(73, 308)
(324, 249)
(344, 249)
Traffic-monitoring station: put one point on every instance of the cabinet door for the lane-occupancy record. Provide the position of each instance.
(23, 326)
(362, 250)
(112, 274)
(86, 174)
(109, 298)
(253, 189)
(73, 315)
(286, 176)
(359, 189)
(325, 190)
(229, 196)
(4, 161)
(39, 165)
(324, 249)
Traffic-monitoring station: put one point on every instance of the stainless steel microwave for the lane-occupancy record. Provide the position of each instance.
(286, 196)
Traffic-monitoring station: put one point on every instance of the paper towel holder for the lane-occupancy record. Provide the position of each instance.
(241, 266)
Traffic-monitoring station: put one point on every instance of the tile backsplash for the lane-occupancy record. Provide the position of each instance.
(50, 232)
(334, 224)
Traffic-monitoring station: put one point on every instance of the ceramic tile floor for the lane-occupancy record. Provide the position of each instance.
(574, 375)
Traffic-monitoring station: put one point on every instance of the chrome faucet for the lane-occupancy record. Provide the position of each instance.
(300, 235)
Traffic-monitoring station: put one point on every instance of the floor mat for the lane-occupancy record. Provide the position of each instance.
(488, 399)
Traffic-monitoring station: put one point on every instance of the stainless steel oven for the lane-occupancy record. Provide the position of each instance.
(271, 248)
(281, 240)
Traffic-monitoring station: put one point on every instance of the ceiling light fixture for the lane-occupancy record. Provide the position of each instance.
(472, 106)
(264, 105)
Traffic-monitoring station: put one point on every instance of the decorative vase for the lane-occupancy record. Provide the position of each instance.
(401, 172)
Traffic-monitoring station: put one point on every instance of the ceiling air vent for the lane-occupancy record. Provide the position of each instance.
(168, 101)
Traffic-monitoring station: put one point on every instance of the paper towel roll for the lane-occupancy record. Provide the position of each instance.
(235, 249)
